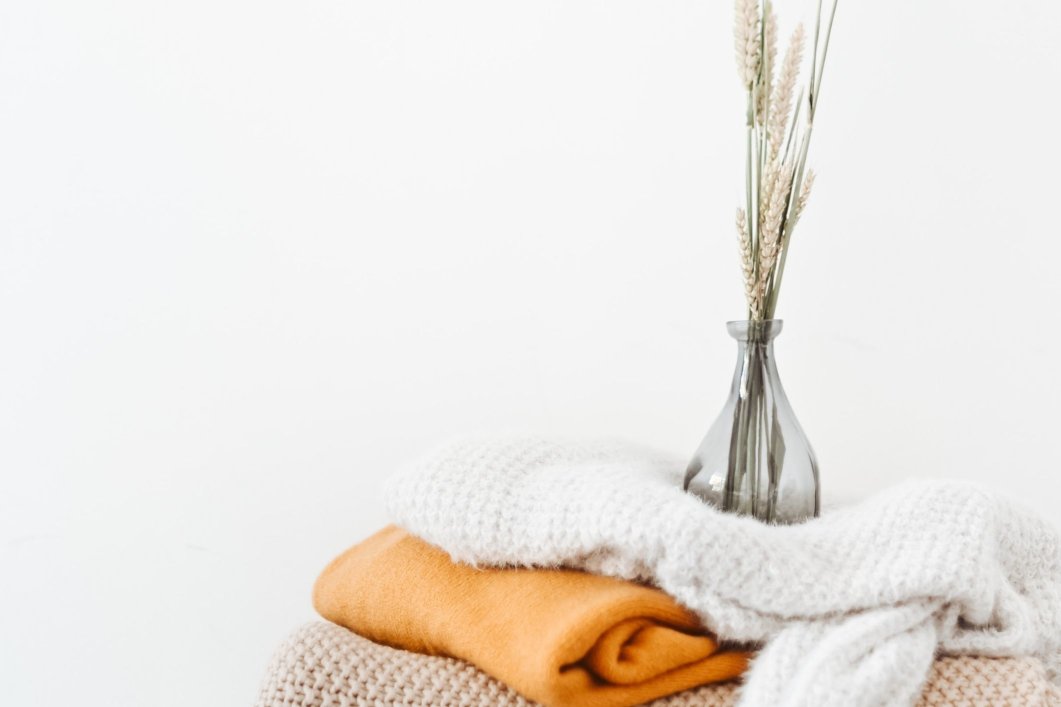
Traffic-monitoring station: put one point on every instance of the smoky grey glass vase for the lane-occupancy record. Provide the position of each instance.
(755, 459)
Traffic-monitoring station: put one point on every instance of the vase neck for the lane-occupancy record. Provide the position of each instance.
(756, 365)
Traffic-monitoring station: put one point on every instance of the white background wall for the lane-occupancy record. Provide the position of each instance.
(254, 255)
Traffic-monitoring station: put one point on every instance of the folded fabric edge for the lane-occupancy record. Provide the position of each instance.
(325, 664)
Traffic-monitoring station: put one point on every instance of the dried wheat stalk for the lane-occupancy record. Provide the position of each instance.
(778, 183)
(781, 100)
(751, 289)
(771, 232)
(804, 194)
(746, 38)
(769, 62)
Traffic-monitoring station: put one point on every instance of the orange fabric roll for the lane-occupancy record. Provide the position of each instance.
(560, 637)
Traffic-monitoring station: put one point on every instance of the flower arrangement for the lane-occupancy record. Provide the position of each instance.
(755, 459)
(777, 181)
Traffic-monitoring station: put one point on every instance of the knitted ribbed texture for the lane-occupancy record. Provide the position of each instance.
(852, 606)
(323, 665)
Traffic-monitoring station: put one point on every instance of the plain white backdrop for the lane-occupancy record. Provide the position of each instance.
(255, 255)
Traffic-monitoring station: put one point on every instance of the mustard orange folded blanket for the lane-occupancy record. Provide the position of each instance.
(559, 637)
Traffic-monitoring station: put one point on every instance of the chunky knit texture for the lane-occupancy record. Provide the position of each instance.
(852, 606)
(323, 665)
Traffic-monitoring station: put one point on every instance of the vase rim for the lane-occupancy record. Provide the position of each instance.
(759, 330)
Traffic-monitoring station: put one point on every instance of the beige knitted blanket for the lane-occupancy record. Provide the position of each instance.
(323, 665)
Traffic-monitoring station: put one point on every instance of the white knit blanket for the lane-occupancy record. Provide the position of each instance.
(852, 606)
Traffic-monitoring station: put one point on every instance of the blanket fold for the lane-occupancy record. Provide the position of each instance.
(852, 606)
(559, 637)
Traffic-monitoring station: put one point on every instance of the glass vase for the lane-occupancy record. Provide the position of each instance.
(755, 460)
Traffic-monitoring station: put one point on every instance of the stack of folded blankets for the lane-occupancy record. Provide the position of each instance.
(536, 572)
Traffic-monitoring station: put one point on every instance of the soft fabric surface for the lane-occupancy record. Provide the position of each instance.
(561, 637)
(852, 606)
(323, 665)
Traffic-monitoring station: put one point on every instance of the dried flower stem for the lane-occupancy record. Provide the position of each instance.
(751, 290)
(804, 195)
(781, 100)
(771, 237)
(746, 40)
(769, 62)
(778, 183)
